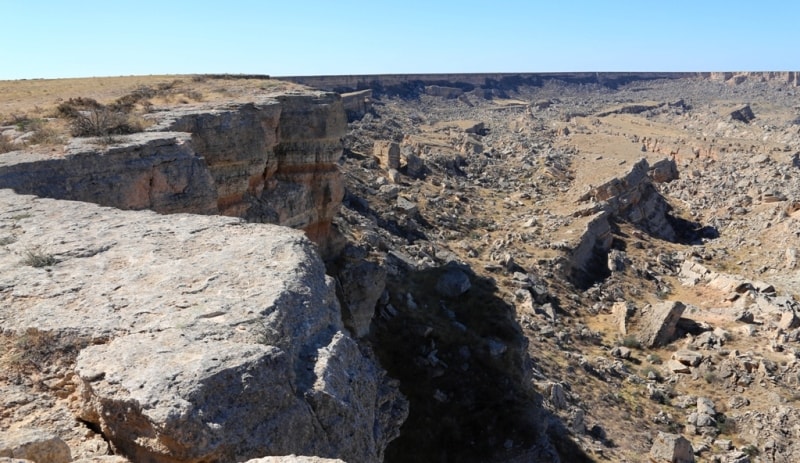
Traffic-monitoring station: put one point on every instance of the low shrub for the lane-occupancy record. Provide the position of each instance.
(6, 144)
(37, 258)
(631, 342)
(88, 118)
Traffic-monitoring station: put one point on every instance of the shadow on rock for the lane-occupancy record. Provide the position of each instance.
(462, 361)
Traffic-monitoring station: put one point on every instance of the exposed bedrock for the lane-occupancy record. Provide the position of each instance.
(189, 337)
(632, 198)
(158, 171)
(271, 161)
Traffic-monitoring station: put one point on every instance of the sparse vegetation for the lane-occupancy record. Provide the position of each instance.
(751, 451)
(6, 240)
(35, 351)
(654, 359)
(631, 342)
(37, 258)
(91, 119)
(6, 144)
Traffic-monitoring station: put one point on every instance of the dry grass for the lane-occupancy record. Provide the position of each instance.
(55, 109)
(41, 96)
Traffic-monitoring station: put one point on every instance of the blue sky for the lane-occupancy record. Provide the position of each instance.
(62, 38)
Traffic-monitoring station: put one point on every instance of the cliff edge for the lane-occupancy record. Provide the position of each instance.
(180, 338)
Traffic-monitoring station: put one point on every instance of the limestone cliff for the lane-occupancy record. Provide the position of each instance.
(158, 171)
(182, 338)
(272, 160)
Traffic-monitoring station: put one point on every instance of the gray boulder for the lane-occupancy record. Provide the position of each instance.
(210, 339)
(453, 283)
(362, 283)
(671, 448)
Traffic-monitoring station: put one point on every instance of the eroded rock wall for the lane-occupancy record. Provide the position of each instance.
(157, 171)
(271, 161)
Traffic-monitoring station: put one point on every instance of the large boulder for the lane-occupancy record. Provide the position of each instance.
(671, 448)
(209, 339)
(743, 114)
(34, 445)
(453, 283)
(657, 326)
(362, 283)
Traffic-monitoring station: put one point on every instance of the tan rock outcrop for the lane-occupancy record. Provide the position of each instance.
(671, 448)
(34, 445)
(273, 161)
(657, 326)
(388, 152)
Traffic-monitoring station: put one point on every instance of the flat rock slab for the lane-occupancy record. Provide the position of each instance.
(209, 339)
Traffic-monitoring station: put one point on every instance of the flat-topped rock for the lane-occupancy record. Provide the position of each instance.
(209, 338)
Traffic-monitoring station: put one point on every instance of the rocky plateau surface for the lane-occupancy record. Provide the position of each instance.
(521, 268)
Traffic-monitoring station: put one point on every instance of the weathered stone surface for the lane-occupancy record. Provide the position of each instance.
(788, 320)
(588, 260)
(688, 357)
(293, 459)
(236, 143)
(362, 283)
(306, 189)
(665, 170)
(357, 104)
(34, 445)
(453, 283)
(621, 312)
(677, 367)
(158, 171)
(657, 326)
(671, 448)
(388, 152)
(214, 339)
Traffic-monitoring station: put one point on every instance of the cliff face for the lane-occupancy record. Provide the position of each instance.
(305, 189)
(789, 77)
(271, 161)
(401, 83)
(158, 171)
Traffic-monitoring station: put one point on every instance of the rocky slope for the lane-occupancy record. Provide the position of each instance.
(553, 267)
(577, 212)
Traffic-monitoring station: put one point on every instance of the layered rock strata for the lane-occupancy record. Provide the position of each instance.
(198, 338)
(157, 171)
(272, 160)
(632, 198)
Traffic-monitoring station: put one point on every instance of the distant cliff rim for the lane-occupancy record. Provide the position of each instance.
(344, 83)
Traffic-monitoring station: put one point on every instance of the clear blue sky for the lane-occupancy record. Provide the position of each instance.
(74, 38)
